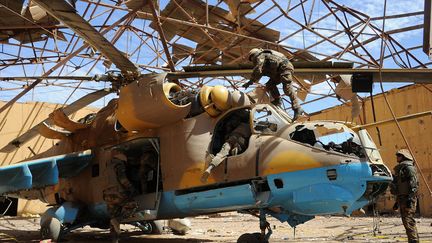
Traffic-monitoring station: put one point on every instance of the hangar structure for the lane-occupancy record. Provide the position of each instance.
(43, 59)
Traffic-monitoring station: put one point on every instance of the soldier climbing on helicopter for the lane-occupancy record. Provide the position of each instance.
(280, 70)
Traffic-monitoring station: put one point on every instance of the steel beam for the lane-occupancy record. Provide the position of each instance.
(420, 76)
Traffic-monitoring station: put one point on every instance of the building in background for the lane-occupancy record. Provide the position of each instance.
(16, 120)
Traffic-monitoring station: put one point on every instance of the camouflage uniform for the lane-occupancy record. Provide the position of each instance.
(119, 198)
(275, 65)
(405, 187)
(235, 143)
(148, 170)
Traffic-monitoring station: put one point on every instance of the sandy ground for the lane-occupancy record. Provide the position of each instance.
(228, 227)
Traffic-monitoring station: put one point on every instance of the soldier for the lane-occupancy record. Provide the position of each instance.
(148, 171)
(235, 143)
(405, 187)
(119, 198)
(276, 66)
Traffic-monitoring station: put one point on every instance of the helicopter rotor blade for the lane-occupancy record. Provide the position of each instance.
(66, 13)
(71, 108)
(26, 78)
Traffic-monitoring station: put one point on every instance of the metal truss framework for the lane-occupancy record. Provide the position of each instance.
(308, 30)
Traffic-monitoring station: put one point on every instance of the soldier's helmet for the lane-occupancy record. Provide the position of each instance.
(254, 52)
(405, 153)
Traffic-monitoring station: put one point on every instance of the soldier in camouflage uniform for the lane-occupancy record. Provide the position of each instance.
(119, 198)
(148, 172)
(276, 66)
(405, 186)
(238, 134)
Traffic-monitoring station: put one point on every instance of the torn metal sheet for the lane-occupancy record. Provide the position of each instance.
(20, 16)
(181, 51)
(49, 132)
(239, 8)
(196, 10)
(60, 119)
(343, 88)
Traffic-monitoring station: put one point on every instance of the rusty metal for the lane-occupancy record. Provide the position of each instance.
(147, 40)
(162, 35)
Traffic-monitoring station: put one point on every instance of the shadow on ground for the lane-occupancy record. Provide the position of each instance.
(17, 235)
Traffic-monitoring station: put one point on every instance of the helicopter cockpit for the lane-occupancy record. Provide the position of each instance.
(226, 125)
(335, 137)
(267, 120)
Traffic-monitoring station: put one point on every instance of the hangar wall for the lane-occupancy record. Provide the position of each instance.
(18, 119)
(404, 101)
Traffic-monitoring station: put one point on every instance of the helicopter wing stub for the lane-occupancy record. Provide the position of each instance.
(42, 172)
(64, 12)
(14, 178)
(71, 108)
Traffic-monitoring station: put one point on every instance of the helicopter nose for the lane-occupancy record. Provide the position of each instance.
(378, 182)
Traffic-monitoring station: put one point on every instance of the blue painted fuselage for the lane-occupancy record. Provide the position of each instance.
(302, 193)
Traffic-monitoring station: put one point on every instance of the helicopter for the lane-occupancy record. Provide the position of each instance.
(290, 170)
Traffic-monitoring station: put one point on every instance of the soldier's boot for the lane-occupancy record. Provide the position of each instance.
(115, 230)
(277, 101)
(295, 104)
(297, 112)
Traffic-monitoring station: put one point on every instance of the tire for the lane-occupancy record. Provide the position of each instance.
(152, 227)
(251, 238)
(51, 229)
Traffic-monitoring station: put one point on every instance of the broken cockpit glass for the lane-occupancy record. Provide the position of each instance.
(329, 136)
(266, 120)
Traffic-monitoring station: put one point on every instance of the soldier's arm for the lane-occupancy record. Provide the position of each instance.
(257, 71)
(223, 153)
(413, 180)
(393, 187)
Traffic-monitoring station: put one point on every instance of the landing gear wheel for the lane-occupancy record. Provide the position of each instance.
(151, 227)
(51, 229)
(251, 238)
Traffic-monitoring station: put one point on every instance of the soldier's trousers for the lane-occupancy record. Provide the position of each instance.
(119, 204)
(407, 208)
(288, 89)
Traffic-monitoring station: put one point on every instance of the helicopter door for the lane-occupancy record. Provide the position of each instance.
(151, 185)
(237, 124)
(144, 173)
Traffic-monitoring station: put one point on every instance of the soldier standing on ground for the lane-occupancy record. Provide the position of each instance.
(119, 198)
(405, 186)
(275, 65)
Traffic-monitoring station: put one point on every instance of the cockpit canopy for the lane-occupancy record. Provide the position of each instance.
(331, 136)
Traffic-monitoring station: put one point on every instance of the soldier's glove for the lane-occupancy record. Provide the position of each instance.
(396, 206)
(246, 85)
(234, 151)
(206, 173)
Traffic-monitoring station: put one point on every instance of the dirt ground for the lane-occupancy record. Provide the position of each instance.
(229, 226)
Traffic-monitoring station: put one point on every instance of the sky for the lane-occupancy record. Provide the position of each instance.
(128, 43)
